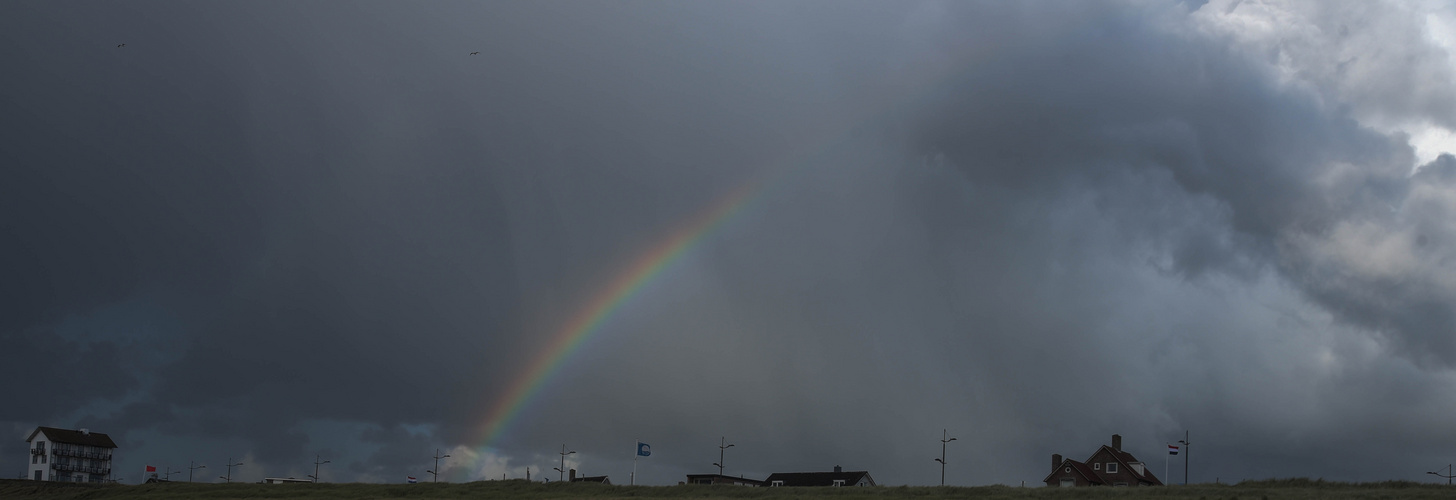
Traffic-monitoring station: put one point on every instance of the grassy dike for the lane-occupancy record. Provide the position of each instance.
(1288, 488)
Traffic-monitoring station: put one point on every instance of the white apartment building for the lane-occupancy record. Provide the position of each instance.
(78, 456)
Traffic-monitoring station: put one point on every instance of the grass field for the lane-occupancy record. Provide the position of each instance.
(1286, 488)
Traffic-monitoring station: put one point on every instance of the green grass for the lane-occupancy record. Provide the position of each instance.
(1248, 490)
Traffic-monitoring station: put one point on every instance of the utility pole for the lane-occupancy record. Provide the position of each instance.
(722, 445)
(317, 463)
(1448, 475)
(436, 473)
(230, 465)
(943, 434)
(562, 469)
(1187, 450)
(192, 467)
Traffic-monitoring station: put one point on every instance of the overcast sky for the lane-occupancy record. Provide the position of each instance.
(268, 231)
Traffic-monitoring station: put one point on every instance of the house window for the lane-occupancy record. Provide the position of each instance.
(1111, 467)
(839, 482)
(1097, 466)
(1068, 469)
(1067, 481)
(776, 483)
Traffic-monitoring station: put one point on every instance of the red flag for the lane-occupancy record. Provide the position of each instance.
(151, 469)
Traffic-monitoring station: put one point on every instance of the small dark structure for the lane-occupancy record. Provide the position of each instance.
(573, 478)
(837, 478)
(722, 479)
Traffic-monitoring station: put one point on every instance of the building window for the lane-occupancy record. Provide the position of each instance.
(1068, 469)
(1111, 467)
(839, 482)
(776, 483)
(1097, 466)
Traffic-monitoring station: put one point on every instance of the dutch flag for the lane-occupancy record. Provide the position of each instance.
(411, 479)
(1172, 449)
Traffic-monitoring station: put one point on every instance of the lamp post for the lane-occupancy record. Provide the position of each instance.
(943, 434)
(168, 474)
(1187, 450)
(722, 445)
(191, 467)
(435, 474)
(562, 469)
(317, 463)
(1448, 475)
(230, 465)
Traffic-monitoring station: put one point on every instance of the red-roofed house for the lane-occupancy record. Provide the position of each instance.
(1108, 466)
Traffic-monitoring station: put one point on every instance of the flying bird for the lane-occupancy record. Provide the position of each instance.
(120, 45)
(474, 53)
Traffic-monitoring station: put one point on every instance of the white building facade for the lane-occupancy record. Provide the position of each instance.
(78, 456)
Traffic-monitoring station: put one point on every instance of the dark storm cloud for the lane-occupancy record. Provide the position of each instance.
(1285, 168)
(1034, 224)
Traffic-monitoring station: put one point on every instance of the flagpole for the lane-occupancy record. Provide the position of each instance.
(636, 450)
(1165, 467)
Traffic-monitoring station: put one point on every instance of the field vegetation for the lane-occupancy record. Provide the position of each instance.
(1255, 490)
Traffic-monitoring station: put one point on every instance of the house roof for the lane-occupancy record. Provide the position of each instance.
(1079, 468)
(818, 478)
(1126, 460)
(73, 437)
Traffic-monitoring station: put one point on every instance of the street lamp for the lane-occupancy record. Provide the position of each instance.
(168, 474)
(191, 467)
(230, 465)
(435, 474)
(943, 441)
(721, 447)
(562, 469)
(317, 463)
(1187, 450)
(1447, 475)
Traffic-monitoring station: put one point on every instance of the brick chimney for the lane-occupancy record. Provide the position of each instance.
(572, 475)
(838, 469)
(1056, 461)
(1117, 442)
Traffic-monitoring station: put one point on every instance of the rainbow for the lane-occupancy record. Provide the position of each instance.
(647, 266)
(591, 317)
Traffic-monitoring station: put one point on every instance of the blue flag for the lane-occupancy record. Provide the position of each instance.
(643, 450)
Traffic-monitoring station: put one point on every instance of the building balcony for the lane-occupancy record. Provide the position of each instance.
(77, 468)
(91, 454)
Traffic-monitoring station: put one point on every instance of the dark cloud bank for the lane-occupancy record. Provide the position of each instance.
(271, 230)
